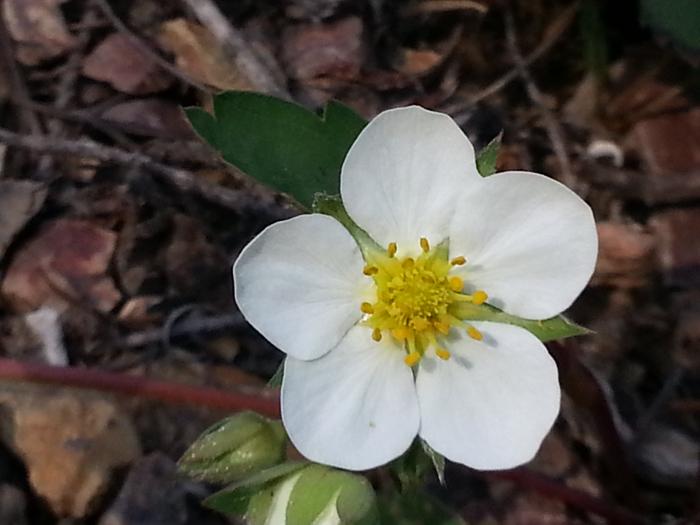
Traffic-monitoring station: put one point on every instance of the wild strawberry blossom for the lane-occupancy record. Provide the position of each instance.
(379, 342)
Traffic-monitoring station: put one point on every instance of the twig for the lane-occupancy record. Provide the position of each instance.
(19, 88)
(576, 498)
(660, 401)
(550, 122)
(439, 6)
(247, 398)
(235, 44)
(187, 327)
(185, 181)
(551, 36)
(65, 86)
(142, 46)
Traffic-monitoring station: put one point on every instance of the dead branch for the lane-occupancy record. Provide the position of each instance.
(235, 43)
(187, 327)
(185, 181)
(551, 123)
(551, 36)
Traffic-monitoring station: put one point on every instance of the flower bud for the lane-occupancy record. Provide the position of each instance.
(295, 493)
(234, 448)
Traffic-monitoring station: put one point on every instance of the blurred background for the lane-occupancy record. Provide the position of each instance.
(118, 228)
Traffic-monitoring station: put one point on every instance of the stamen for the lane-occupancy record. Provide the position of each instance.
(370, 270)
(479, 297)
(424, 244)
(420, 324)
(400, 333)
(443, 326)
(412, 358)
(442, 353)
(391, 249)
(458, 261)
(456, 283)
(474, 333)
(377, 334)
(367, 308)
(408, 263)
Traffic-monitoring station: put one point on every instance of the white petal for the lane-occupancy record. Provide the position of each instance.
(530, 242)
(492, 403)
(300, 284)
(399, 179)
(354, 408)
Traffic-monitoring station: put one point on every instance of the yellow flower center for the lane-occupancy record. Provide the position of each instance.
(415, 299)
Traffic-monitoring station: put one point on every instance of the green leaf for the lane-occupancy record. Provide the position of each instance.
(320, 486)
(558, 327)
(278, 143)
(677, 19)
(235, 498)
(486, 158)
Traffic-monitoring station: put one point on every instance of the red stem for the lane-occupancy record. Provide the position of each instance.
(267, 402)
(260, 401)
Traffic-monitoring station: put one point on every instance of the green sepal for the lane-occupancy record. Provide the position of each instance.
(437, 459)
(487, 157)
(276, 379)
(332, 205)
(411, 467)
(234, 448)
(280, 144)
(237, 498)
(558, 327)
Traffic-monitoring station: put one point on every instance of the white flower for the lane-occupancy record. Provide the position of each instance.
(380, 349)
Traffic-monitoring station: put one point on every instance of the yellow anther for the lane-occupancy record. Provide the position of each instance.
(424, 244)
(391, 249)
(377, 334)
(458, 261)
(420, 324)
(479, 297)
(408, 263)
(456, 283)
(367, 308)
(370, 270)
(442, 353)
(412, 358)
(401, 333)
(474, 333)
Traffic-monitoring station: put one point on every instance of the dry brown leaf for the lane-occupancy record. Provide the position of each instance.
(333, 51)
(151, 117)
(70, 443)
(39, 28)
(68, 259)
(200, 55)
(125, 67)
